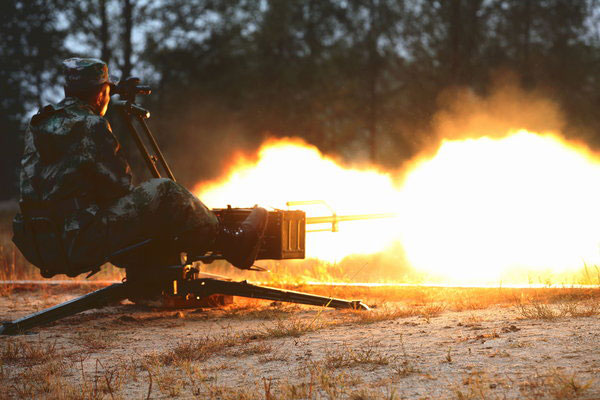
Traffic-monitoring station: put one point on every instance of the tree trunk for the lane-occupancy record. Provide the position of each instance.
(525, 66)
(373, 75)
(455, 41)
(104, 36)
(127, 45)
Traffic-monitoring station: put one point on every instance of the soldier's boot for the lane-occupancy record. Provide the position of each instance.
(240, 245)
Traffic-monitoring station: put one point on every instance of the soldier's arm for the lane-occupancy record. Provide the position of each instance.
(107, 167)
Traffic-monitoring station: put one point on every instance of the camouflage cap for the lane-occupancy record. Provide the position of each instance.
(83, 73)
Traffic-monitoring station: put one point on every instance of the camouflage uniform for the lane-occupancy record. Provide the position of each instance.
(71, 153)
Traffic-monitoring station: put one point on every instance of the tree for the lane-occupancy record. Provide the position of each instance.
(127, 40)
(31, 51)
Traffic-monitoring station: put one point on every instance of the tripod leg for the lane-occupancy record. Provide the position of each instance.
(140, 145)
(155, 147)
(99, 298)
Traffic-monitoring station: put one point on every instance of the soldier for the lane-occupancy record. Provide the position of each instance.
(78, 205)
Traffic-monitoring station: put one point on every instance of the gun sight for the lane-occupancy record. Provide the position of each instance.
(128, 88)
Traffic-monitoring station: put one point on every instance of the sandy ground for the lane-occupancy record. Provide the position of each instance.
(263, 350)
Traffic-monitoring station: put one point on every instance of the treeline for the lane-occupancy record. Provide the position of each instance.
(356, 78)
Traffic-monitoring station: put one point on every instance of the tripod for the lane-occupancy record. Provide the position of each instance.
(130, 112)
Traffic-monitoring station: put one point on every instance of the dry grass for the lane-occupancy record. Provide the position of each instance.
(40, 379)
(293, 327)
(390, 312)
(550, 384)
(30, 353)
(330, 377)
(319, 381)
(368, 354)
(384, 313)
(554, 384)
(199, 349)
(405, 366)
(563, 385)
(253, 309)
(273, 357)
(58, 377)
(476, 385)
(95, 340)
(254, 349)
(203, 348)
(536, 309)
(12, 264)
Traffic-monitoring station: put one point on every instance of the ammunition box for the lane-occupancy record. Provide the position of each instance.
(284, 236)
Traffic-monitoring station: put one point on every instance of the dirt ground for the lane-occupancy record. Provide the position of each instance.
(459, 344)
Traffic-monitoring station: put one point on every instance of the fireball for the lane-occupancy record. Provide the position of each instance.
(481, 208)
(475, 211)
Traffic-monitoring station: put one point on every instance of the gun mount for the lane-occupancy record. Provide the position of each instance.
(172, 287)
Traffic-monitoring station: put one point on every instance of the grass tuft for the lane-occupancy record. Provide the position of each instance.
(348, 357)
(536, 309)
(30, 353)
(199, 349)
(294, 327)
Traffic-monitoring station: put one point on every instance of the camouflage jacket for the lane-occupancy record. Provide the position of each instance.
(71, 152)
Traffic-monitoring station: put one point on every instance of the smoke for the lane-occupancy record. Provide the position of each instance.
(503, 108)
(507, 107)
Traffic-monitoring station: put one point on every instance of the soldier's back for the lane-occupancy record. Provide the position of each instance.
(63, 143)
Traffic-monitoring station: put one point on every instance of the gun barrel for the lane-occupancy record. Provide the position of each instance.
(330, 219)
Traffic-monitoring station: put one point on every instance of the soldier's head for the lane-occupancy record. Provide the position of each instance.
(88, 80)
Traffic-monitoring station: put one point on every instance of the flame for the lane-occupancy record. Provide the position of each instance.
(289, 170)
(482, 207)
(475, 211)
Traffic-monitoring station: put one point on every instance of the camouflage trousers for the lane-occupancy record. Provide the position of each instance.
(158, 209)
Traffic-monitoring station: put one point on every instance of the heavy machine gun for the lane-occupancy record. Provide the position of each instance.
(183, 284)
